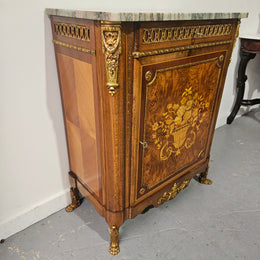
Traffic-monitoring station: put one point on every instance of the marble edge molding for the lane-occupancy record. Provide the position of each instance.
(141, 16)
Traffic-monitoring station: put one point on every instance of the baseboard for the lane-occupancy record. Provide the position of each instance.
(34, 214)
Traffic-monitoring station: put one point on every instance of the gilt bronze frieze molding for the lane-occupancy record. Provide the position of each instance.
(74, 47)
(155, 35)
(79, 32)
(140, 54)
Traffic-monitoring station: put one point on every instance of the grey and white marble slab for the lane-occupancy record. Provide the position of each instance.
(136, 16)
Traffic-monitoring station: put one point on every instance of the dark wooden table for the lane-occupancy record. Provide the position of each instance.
(248, 50)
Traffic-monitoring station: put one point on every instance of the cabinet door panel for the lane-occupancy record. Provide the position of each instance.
(176, 113)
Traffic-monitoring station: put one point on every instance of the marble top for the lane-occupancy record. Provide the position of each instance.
(135, 17)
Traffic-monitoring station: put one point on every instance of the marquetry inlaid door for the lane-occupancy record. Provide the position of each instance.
(177, 106)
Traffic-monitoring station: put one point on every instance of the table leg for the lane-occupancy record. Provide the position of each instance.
(241, 79)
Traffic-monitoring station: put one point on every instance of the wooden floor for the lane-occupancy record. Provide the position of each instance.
(221, 221)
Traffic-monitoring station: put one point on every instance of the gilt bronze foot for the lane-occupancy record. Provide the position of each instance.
(75, 200)
(203, 177)
(114, 241)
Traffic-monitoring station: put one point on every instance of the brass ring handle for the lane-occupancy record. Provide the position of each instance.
(144, 144)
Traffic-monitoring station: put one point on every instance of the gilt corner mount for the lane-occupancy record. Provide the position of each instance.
(111, 42)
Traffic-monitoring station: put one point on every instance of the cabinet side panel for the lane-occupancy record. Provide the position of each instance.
(75, 148)
(85, 97)
(77, 92)
(67, 78)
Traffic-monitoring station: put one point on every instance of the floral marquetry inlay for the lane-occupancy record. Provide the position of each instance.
(181, 121)
(178, 110)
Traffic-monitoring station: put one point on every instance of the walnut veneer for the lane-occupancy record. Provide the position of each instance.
(140, 102)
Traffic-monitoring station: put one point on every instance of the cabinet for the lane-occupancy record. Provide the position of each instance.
(140, 95)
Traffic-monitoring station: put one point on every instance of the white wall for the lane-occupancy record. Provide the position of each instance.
(33, 156)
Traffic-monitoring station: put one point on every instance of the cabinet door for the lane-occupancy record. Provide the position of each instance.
(177, 107)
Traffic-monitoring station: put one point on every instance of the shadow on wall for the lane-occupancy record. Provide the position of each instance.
(54, 103)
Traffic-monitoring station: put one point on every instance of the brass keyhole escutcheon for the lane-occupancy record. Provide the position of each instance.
(144, 144)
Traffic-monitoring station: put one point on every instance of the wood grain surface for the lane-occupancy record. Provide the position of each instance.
(77, 91)
(178, 104)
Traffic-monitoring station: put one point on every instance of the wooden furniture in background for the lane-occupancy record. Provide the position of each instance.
(248, 50)
(140, 102)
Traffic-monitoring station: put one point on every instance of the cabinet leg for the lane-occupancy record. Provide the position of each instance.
(203, 177)
(241, 79)
(75, 200)
(114, 241)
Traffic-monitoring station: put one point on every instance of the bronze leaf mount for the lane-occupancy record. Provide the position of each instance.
(176, 188)
(111, 42)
